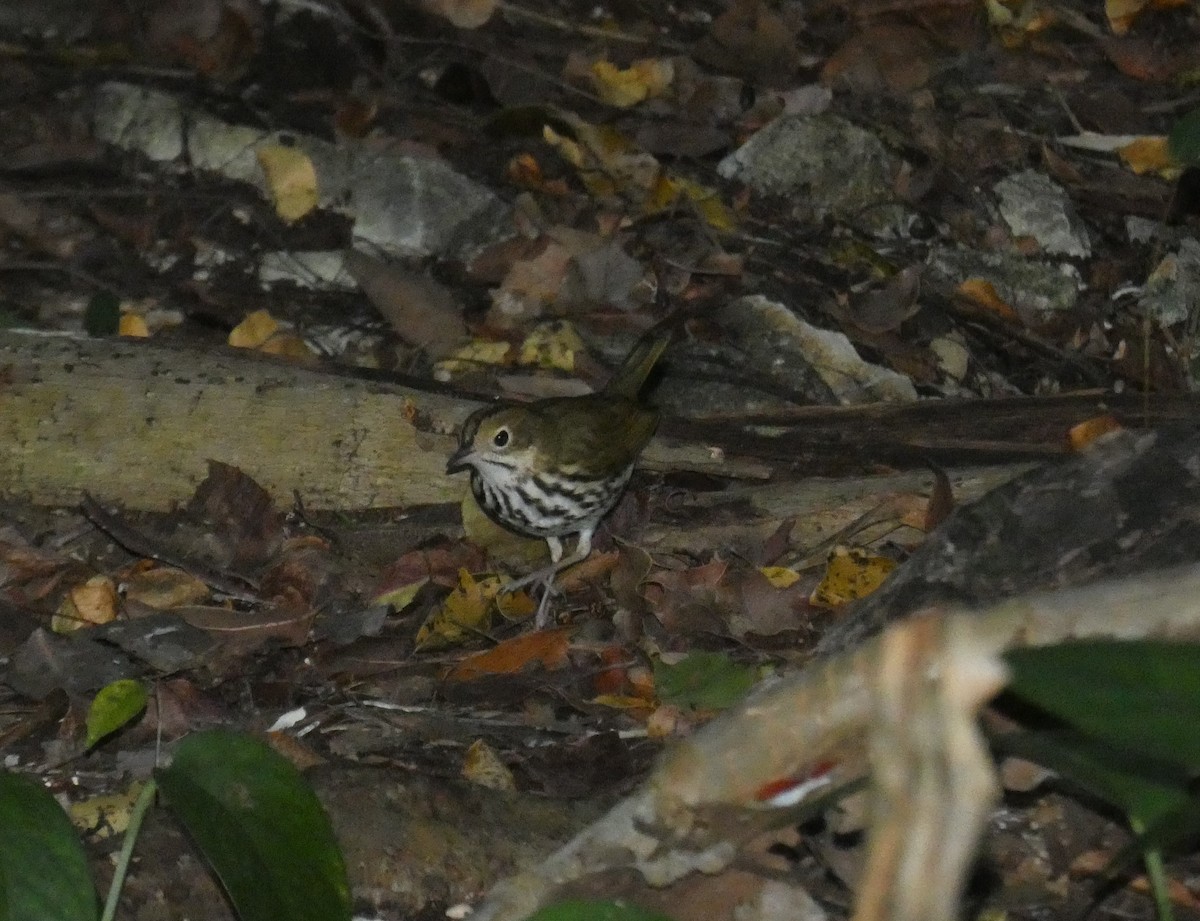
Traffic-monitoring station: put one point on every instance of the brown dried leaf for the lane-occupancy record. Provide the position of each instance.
(691, 600)
(300, 574)
(399, 582)
(420, 310)
(753, 40)
(889, 58)
(27, 573)
(164, 587)
(244, 631)
(763, 608)
(217, 38)
(544, 648)
(983, 294)
(241, 514)
(884, 309)
(465, 14)
(941, 500)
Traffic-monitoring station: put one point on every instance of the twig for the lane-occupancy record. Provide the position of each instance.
(591, 31)
(137, 543)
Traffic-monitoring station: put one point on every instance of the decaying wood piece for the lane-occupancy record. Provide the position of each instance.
(711, 793)
(1128, 504)
(135, 423)
(933, 780)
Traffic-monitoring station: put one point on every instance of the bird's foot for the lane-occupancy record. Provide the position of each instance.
(544, 578)
(542, 619)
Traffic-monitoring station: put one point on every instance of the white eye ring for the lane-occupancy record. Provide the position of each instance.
(501, 438)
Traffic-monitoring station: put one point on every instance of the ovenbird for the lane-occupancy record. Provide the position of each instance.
(555, 467)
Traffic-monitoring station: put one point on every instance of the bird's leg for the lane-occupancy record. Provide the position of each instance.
(546, 574)
(541, 619)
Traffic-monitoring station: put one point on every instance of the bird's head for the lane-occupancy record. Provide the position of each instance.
(496, 440)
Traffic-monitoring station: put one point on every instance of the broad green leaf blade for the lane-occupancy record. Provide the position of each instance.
(704, 680)
(1184, 139)
(595, 911)
(1156, 798)
(1141, 696)
(260, 827)
(1147, 790)
(103, 314)
(43, 870)
(114, 706)
(1174, 830)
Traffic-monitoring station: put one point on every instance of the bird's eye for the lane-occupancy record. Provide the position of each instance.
(500, 439)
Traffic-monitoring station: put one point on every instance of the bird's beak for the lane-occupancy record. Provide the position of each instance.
(459, 460)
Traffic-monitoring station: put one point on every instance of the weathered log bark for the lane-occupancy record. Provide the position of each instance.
(135, 423)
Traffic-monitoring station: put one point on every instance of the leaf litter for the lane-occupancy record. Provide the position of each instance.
(610, 189)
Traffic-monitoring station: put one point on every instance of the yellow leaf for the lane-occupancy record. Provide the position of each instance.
(107, 814)
(1122, 13)
(642, 80)
(483, 766)
(552, 346)
(253, 331)
(401, 596)
(622, 702)
(608, 162)
(471, 356)
(291, 180)
(1150, 154)
(998, 14)
(93, 602)
(572, 152)
(780, 576)
(849, 575)
(1084, 433)
(668, 192)
(515, 606)
(983, 293)
(463, 614)
(714, 211)
(134, 325)
(287, 345)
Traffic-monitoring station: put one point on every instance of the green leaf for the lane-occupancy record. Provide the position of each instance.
(1141, 696)
(1184, 139)
(260, 827)
(113, 707)
(103, 315)
(581, 910)
(1146, 789)
(43, 870)
(1162, 810)
(703, 680)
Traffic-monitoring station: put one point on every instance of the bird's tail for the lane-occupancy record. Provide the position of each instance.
(631, 376)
